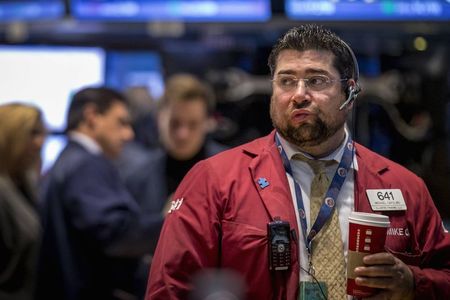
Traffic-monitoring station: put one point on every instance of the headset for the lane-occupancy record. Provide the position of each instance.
(352, 91)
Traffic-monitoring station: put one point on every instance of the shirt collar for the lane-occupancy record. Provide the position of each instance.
(86, 141)
(336, 155)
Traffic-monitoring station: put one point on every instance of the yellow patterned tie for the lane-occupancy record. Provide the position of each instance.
(327, 247)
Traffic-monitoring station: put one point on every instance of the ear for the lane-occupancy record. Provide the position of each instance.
(356, 87)
(90, 114)
(353, 90)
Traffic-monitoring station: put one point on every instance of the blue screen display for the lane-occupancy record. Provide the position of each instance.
(25, 10)
(127, 69)
(172, 10)
(373, 10)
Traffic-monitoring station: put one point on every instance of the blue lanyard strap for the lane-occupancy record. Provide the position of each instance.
(331, 195)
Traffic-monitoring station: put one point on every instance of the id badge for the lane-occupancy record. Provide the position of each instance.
(310, 290)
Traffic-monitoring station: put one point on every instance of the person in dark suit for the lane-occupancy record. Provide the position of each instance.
(93, 230)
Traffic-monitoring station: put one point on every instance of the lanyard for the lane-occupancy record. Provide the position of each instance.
(330, 197)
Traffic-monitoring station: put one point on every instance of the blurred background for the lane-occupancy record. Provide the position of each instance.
(51, 48)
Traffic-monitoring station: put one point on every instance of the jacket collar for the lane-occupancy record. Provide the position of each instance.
(88, 143)
(267, 166)
(370, 174)
(270, 179)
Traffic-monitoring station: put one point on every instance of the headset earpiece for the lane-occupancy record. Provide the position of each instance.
(352, 90)
(351, 97)
(351, 93)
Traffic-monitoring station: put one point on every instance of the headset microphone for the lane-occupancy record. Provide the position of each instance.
(353, 91)
(352, 94)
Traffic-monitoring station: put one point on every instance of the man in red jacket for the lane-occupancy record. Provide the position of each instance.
(230, 208)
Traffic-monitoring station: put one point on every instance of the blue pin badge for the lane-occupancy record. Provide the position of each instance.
(263, 183)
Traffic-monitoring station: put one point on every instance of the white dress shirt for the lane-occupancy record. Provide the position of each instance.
(87, 142)
(303, 174)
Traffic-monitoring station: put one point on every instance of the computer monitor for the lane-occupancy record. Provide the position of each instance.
(31, 10)
(128, 69)
(365, 10)
(172, 10)
(48, 76)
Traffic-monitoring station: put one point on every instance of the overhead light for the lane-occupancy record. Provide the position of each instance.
(420, 43)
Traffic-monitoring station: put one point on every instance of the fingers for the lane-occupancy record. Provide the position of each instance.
(376, 282)
(383, 258)
(380, 265)
(385, 272)
(375, 271)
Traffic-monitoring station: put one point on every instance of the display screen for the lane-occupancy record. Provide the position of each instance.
(31, 10)
(48, 76)
(52, 147)
(362, 10)
(172, 10)
(128, 69)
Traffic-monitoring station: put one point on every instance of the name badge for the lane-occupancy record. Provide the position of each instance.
(386, 199)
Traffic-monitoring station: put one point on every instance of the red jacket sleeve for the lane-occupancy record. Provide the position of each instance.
(189, 238)
(432, 276)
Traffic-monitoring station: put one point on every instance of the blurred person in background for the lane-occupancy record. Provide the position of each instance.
(184, 121)
(93, 230)
(142, 109)
(22, 134)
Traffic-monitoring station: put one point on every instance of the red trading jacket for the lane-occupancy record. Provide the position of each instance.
(221, 217)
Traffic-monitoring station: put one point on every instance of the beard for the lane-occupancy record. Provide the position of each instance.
(306, 134)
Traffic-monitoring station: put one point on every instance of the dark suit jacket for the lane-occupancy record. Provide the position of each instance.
(93, 229)
(147, 182)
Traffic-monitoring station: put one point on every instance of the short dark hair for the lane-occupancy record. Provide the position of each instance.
(101, 97)
(315, 37)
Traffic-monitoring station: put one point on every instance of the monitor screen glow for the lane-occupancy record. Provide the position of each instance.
(127, 69)
(29, 10)
(53, 145)
(365, 10)
(173, 10)
(48, 76)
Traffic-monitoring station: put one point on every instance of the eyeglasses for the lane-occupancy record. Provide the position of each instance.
(316, 83)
